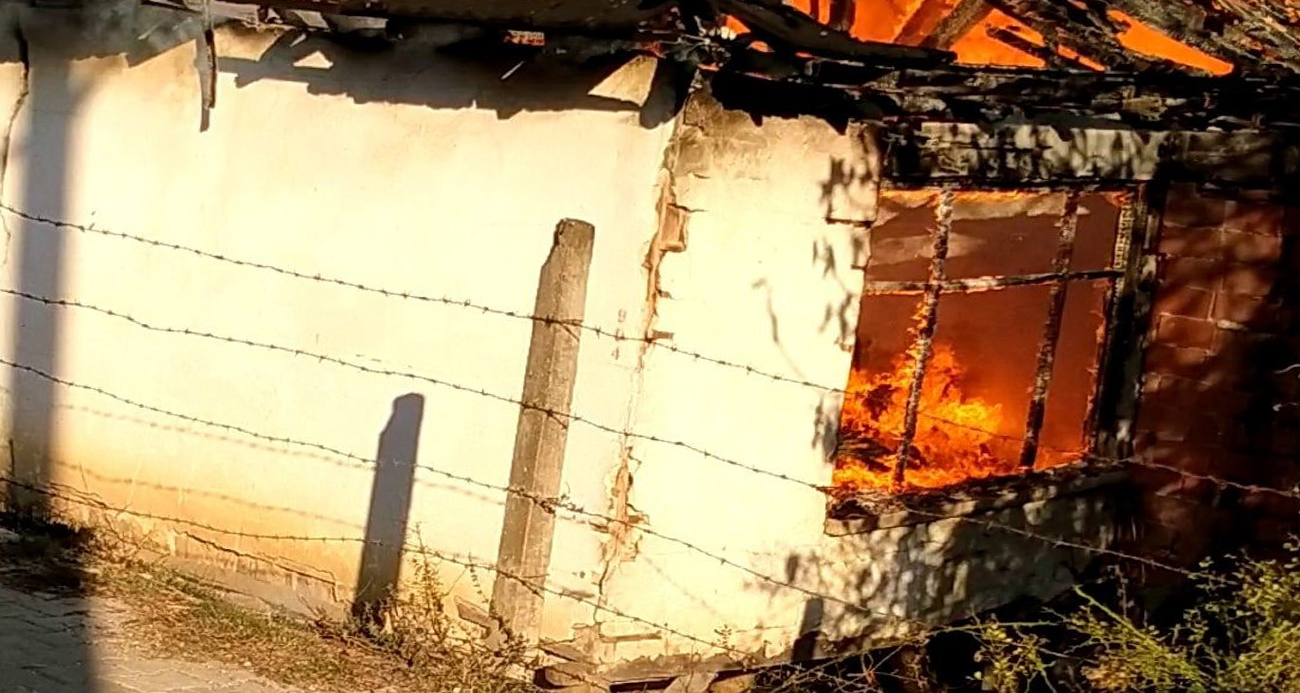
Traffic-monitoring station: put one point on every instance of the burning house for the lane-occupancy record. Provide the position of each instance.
(853, 317)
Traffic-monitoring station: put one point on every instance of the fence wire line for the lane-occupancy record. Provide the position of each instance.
(602, 332)
(551, 504)
(89, 500)
(605, 428)
(554, 413)
(744, 658)
(616, 335)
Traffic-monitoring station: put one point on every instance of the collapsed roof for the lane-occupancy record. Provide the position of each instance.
(1134, 63)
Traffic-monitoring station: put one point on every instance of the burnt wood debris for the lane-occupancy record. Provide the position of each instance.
(786, 62)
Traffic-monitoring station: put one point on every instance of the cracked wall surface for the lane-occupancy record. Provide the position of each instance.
(405, 171)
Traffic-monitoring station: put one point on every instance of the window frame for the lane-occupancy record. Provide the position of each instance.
(1109, 423)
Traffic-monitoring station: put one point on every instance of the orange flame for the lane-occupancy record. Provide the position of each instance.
(955, 436)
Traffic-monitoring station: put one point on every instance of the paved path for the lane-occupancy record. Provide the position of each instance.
(55, 644)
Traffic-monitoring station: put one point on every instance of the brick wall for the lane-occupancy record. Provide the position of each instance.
(1224, 323)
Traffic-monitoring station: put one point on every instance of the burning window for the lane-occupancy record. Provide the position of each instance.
(982, 329)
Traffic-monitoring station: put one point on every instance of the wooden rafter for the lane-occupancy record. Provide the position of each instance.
(1084, 29)
(1249, 36)
(958, 23)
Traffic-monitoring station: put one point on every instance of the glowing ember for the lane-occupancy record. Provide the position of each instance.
(956, 436)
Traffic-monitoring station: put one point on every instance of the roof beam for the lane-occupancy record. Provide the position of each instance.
(1085, 30)
(964, 17)
(1221, 32)
(785, 28)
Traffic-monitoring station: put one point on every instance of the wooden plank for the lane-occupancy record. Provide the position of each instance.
(1115, 410)
(1029, 154)
(958, 23)
(924, 344)
(524, 555)
(980, 284)
(1069, 224)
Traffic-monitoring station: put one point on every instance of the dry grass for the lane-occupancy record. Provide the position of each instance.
(413, 647)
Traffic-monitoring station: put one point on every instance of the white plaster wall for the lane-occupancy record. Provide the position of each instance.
(431, 175)
(406, 171)
(767, 282)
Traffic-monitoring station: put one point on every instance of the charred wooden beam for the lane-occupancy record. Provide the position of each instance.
(1080, 27)
(1045, 53)
(982, 284)
(924, 19)
(1069, 224)
(787, 29)
(1129, 315)
(1224, 30)
(964, 17)
(1040, 155)
(1130, 210)
(596, 15)
(924, 344)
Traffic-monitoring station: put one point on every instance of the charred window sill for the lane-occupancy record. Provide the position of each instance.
(869, 510)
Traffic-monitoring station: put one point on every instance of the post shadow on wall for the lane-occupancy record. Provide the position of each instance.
(44, 108)
(390, 506)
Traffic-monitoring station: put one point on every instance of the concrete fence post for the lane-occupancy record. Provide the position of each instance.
(524, 554)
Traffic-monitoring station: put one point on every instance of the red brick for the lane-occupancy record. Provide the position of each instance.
(1186, 362)
(1171, 390)
(1259, 218)
(1239, 347)
(1178, 241)
(1187, 302)
(1242, 309)
(1180, 456)
(1176, 330)
(1240, 246)
(1153, 384)
(1206, 429)
(1185, 206)
(1196, 273)
(1249, 280)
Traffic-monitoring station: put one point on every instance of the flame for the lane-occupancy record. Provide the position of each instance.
(909, 21)
(956, 435)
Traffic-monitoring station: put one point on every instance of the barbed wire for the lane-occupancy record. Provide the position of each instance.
(746, 659)
(414, 296)
(605, 428)
(599, 331)
(89, 500)
(86, 499)
(552, 504)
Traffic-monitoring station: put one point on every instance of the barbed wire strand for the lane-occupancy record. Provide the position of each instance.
(413, 296)
(745, 659)
(406, 374)
(89, 500)
(552, 503)
(602, 332)
(605, 428)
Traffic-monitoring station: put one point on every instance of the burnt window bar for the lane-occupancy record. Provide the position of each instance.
(1068, 225)
(1128, 219)
(990, 283)
(929, 319)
